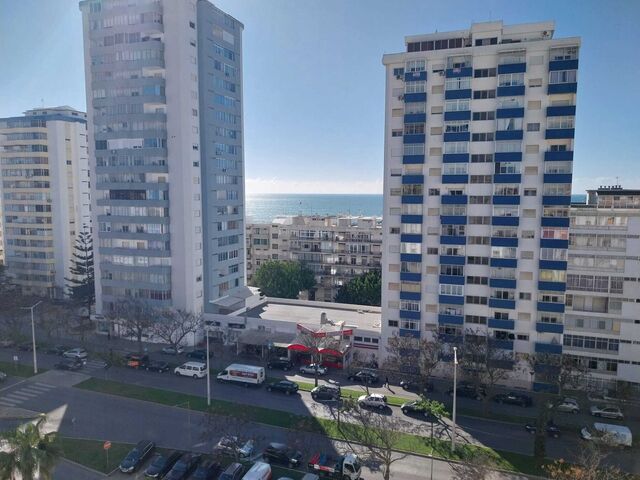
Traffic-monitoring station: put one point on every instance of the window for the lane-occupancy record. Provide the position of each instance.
(482, 137)
(459, 83)
(459, 105)
(533, 127)
(511, 79)
(480, 179)
(482, 94)
(482, 157)
(484, 72)
(414, 128)
(560, 122)
(448, 289)
(456, 147)
(398, 71)
(507, 167)
(454, 169)
(415, 86)
(535, 82)
(563, 76)
(457, 126)
(415, 107)
(530, 192)
(508, 58)
(415, 66)
(484, 115)
(534, 105)
(508, 147)
(413, 149)
(563, 53)
(509, 124)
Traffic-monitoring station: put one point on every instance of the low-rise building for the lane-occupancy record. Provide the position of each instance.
(336, 248)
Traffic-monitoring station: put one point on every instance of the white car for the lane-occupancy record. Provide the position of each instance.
(606, 412)
(311, 369)
(171, 350)
(568, 405)
(3, 376)
(374, 400)
(228, 445)
(79, 353)
(192, 369)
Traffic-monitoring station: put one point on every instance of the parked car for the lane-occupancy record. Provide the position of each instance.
(552, 429)
(373, 400)
(285, 386)
(3, 376)
(191, 369)
(161, 464)
(199, 354)
(233, 472)
(137, 456)
(567, 405)
(157, 366)
(230, 445)
(71, 364)
(282, 454)
(258, 471)
(137, 360)
(415, 407)
(608, 434)
(183, 467)
(468, 390)
(325, 392)
(311, 369)
(58, 349)
(78, 352)
(207, 470)
(172, 350)
(26, 346)
(365, 376)
(416, 386)
(606, 411)
(513, 398)
(281, 363)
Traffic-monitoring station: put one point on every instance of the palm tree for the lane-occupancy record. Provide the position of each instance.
(28, 453)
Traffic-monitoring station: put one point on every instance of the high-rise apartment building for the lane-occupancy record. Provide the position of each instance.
(602, 322)
(336, 249)
(164, 98)
(44, 196)
(478, 162)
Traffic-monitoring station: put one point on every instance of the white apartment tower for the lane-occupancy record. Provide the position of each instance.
(44, 196)
(164, 101)
(478, 162)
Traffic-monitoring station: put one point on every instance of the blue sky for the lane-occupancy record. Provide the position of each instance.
(314, 82)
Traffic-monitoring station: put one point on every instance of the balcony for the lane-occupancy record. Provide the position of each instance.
(410, 276)
(457, 137)
(455, 158)
(552, 265)
(504, 241)
(459, 115)
(544, 347)
(455, 178)
(512, 68)
(506, 200)
(543, 368)
(507, 178)
(410, 296)
(502, 303)
(512, 91)
(558, 156)
(452, 259)
(406, 332)
(412, 219)
(552, 286)
(415, 97)
(502, 324)
(563, 64)
(505, 221)
(453, 219)
(411, 257)
(415, 76)
(553, 243)
(562, 88)
(453, 240)
(510, 112)
(412, 199)
(459, 72)
(504, 262)
(411, 237)
(555, 221)
(415, 117)
(410, 314)
(451, 299)
(454, 199)
(412, 159)
(509, 135)
(561, 111)
(412, 179)
(502, 282)
(444, 319)
(508, 156)
(417, 138)
(557, 178)
(454, 94)
(452, 279)
(550, 307)
(450, 338)
(555, 133)
(544, 327)
(502, 344)
(556, 200)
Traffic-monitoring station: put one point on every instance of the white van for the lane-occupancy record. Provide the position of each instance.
(244, 374)
(259, 471)
(192, 369)
(617, 435)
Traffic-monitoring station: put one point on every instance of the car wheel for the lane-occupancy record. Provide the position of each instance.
(382, 407)
(195, 377)
(286, 369)
(287, 392)
(555, 435)
(148, 369)
(405, 411)
(362, 405)
(479, 397)
(574, 412)
(177, 373)
(268, 389)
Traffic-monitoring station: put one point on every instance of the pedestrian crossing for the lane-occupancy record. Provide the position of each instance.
(24, 393)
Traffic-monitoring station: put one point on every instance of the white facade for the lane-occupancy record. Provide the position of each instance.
(44, 195)
(478, 159)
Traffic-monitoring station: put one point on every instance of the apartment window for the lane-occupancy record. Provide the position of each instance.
(482, 137)
(484, 115)
(456, 147)
(563, 76)
(397, 112)
(393, 323)
(480, 179)
(507, 167)
(437, 89)
(510, 102)
(436, 110)
(535, 82)
(396, 133)
(435, 172)
(481, 42)
(416, 65)
(476, 220)
(530, 192)
(414, 128)
(413, 149)
(434, 191)
(458, 105)
(398, 71)
(534, 105)
(434, 151)
(458, 83)
(560, 122)
(532, 148)
(482, 94)
(484, 72)
(458, 126)
(415, 107)
(419, 86)
(480, 199)
(435, 131)
(563, 53)
(448, 289)
(511, 79)
(509, 124)
(508, 147)
(482, 157)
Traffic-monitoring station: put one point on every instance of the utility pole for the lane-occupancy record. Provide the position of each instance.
(206, 330)
(455, 385)
(33, 335)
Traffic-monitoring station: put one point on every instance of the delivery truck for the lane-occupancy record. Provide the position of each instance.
(242, 374)
(345, 467)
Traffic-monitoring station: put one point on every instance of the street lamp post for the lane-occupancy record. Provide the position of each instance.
(33, 335)
(455, 384)
(206, 333)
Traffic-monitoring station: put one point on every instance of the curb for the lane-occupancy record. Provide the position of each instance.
(84, 467)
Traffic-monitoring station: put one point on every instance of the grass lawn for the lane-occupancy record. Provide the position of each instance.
(18, 370)
(91, 454)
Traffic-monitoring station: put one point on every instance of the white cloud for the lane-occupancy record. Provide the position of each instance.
(279, 185)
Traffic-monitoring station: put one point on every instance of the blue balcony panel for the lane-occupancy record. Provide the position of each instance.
(415, 117)
(410, 296)
(502, 344)
(411, 237)
(558, 156)
(500, 303)
(461, 115)
(455, 158)
(544, 327)
(513, 91)
(552, 265)
(455, 94)
(452, 260)
(544, 347)
(504, 242)
(551, 307)
(556, 200)
(508, 157)
(411, 219)
(504, 262)
(416, 138)
(545, 388)
(502, 283)
(455, 178)
(555, 133)
(444, 319)
(507, 178)
(509, 135)
(562, 88)
(451, 299)
(412, 179)
(410, 314)
(555, 221)
(552, 286)
(412, 159)
(510, 112)
(557, 178)
(411, 257)
(459, 72)
(553, 243)
(452, 279)
(453, 240)
(453, 219)
(501, 324)
(546, 369)
(563, 64)
(415, 76)
(449, 338)
(410, 277)
(506, 200)
(563, 111)
(454, 199)
(412, 199)
(415, 97)
(505, 221)
(512, 68)
(457, 137)
(406, 332)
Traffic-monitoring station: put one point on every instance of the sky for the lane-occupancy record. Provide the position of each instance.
(314, 80)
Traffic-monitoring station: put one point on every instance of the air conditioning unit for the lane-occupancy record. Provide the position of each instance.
(442, 73)
(398, 77)
(401, 97)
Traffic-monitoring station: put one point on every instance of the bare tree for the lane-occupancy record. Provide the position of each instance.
(477, 466)
(173, 326)
(372, 435)
(231, 432)
(414, 357)
(589, 464)
(134, 318)
(560, 372)
(314, 341)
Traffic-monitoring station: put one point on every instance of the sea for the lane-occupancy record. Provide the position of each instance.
(262, 208)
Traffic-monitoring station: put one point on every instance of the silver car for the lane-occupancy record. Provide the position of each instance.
(606, 412)
(311, 369)
(3, 376)
(568, 405)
